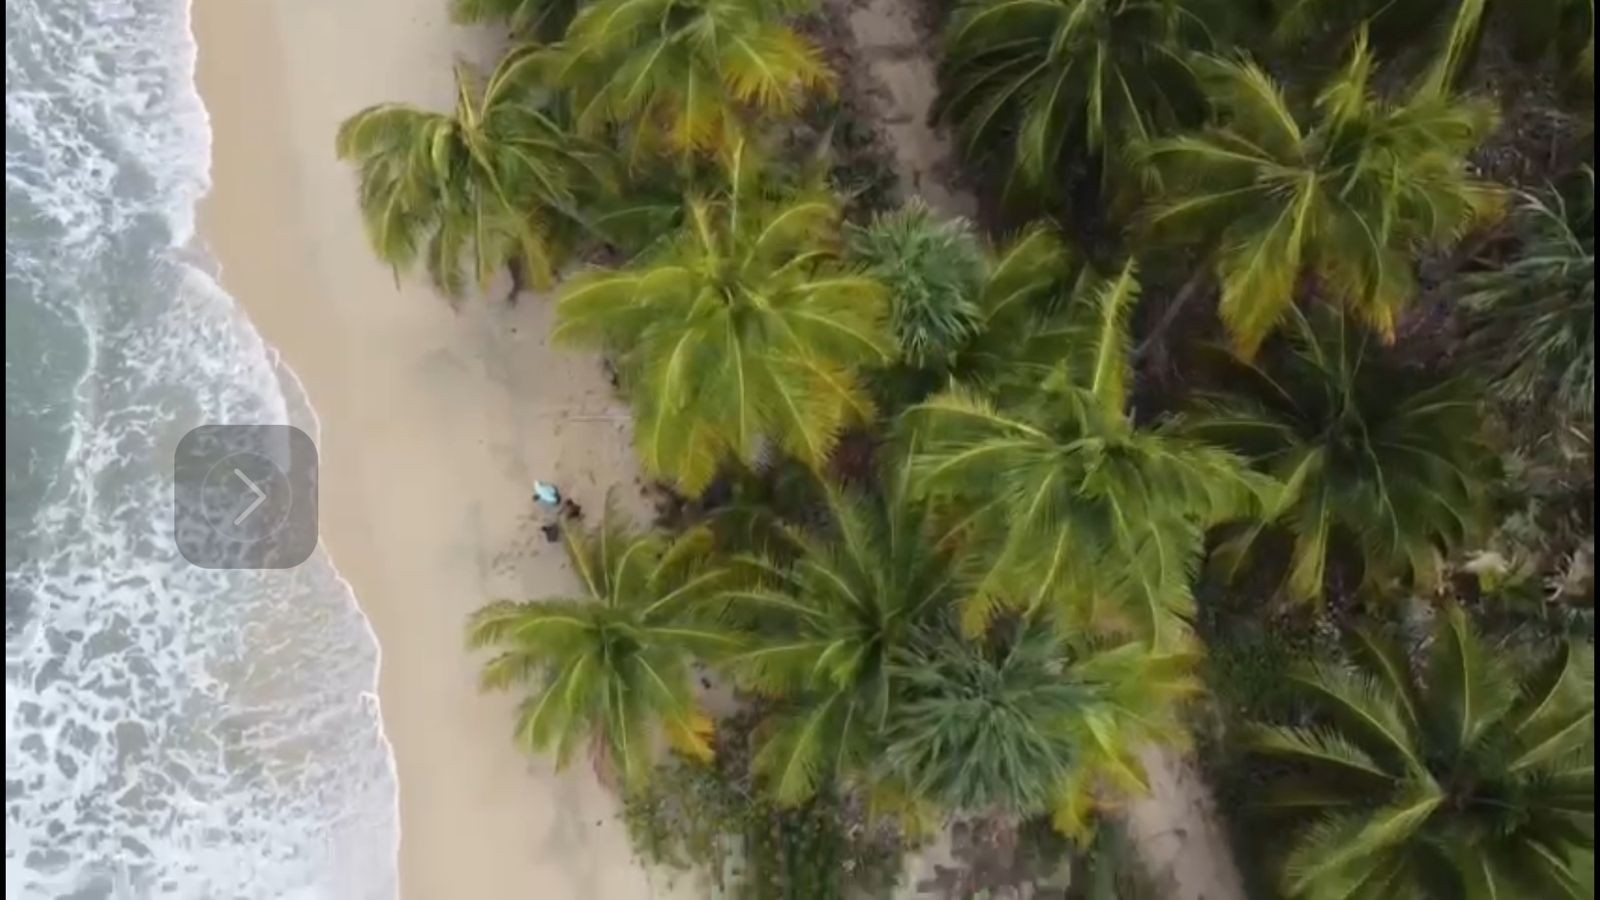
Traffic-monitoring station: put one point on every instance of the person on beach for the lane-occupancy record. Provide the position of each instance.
(546, 495)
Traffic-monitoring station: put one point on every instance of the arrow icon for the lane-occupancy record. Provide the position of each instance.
(261, 497)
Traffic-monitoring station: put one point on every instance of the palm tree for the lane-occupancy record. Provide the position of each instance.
(934, 269)
(613, 664)
(1066, 500)
(1062, 82)
(1026, 722)
(544, 20)
(826, 624)
(961, 311)
(1374, 457)
(1351, 199)
(491, 185)
(738, 334)
(1455, 28)
(1462, 778)
(687, 73)
(1535, 316)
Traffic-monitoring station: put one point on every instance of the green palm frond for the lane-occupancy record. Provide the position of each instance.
(1447, 804)
(1534, 318)
(827, 623)
(934, 270)
(614, 666)
(497, 182)
(1051, 84)
(739, 334)
(685, 75)
(1452, 31)
(1349, 198)
(1374, 456)
(1026, 722)
(1073, 508)
(545, 20)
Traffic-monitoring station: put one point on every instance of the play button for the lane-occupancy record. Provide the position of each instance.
(246, 496)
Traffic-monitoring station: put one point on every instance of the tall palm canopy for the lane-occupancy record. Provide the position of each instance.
(1057, 81)
(826, 623)
(1535, 316)
(1461, 778)
(1375, 458)
(1350, 199)
(686, 72)
(1069, 504)
(1025, 722)
(613, 665)
(468, 193)
(739, 332)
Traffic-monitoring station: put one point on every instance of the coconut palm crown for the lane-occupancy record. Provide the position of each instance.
(1460, 777)
(1337, 208)
(1071, 505)
(613, 664)
(740, 334)
(685, 75)
(1376, 459)
(465, 194)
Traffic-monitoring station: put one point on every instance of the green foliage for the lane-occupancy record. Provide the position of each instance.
(1453, 31)
(1460, 778)
(612, 665)
(1347, 201)
(1068, 503)
(1373, 456)
(1049, 83)
(934, 270)
(827, 620)
(1025, 722)
(545, 20)
(466, 194)
(1535, 317)
(685, 75)
(711, 819)
(739, 334)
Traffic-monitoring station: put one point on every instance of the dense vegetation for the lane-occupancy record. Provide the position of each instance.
(961, 539)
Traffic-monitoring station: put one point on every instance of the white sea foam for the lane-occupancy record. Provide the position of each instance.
(171, 731)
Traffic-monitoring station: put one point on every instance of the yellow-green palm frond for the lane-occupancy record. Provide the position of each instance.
(741, 334)
(1073, 508)
(1348, 195)
(496, 183)
(544, 20)
(685, 76)
(613, 668)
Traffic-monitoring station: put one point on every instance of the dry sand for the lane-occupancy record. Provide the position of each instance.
(434, 425)
(893, 53)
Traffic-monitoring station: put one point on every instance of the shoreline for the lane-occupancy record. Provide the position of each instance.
(432, 423)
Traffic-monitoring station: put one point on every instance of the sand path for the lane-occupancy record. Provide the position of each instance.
(434, 424)
(891, 59)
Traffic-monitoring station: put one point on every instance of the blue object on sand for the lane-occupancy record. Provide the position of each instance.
(546, 494)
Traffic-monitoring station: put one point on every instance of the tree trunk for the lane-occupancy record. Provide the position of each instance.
(1189, 291)
(517, 281)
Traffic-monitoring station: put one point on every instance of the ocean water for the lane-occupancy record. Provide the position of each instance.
(170, 731)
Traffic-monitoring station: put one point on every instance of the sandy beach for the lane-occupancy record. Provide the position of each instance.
(435, 423)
